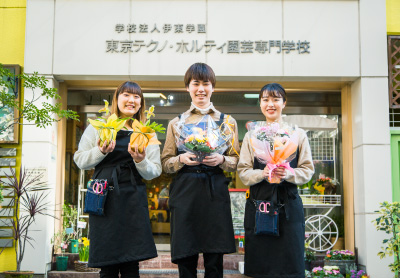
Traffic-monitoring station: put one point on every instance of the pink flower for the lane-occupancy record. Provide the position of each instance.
(336, 271)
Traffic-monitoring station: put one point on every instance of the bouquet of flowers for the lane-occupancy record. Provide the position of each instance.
(339, 255)
(144, 133)
(204, 137)
(107, 127)
(274, 145)
(326, 272)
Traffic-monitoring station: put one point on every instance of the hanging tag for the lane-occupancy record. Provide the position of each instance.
(82, 224)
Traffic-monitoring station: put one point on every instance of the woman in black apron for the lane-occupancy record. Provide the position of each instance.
(280, 256)
(122, 237)
(201, 220)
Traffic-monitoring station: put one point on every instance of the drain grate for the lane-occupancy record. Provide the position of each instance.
(175, 271)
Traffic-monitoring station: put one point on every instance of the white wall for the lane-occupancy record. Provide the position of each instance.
(81, 29)
(39, 150)
(371, 137)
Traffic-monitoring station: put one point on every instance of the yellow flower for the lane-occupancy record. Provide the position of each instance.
(150, 112)
(320, 188)
(108, 130)
(105, 109)
(86, 242)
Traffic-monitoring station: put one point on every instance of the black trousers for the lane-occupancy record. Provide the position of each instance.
(213, 264)
(127, 270)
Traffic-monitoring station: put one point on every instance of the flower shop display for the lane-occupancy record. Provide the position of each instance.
(274, 145)
(340, 258)
(326, 272)
(204, 137)
(69, 215)
(144, 134)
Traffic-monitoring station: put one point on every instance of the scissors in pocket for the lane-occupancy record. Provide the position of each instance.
(98, 187)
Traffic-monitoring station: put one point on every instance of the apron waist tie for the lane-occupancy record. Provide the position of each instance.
(210, 178)
(286, 195)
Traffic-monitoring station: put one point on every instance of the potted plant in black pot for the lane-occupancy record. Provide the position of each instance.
(29, 201)
(309, 256)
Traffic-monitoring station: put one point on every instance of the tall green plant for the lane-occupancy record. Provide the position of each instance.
(37, 109)
(388, 222)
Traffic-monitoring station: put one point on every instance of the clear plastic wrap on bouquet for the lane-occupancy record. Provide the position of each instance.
(274, 145)
(203, 137)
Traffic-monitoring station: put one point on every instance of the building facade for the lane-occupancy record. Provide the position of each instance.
(331, 56)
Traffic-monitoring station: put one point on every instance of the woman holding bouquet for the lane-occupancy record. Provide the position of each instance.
(279, 256)
(199, 201)
(122, 237)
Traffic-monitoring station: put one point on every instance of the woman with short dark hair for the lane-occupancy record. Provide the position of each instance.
(280, 256)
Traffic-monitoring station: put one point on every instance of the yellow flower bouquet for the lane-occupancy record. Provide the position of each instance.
(107, 127)
(144, 134)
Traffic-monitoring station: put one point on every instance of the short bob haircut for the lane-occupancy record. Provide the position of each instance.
(132, 88)
(200, 72)
(273, 90)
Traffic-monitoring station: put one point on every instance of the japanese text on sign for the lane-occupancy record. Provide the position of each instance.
(195, 46)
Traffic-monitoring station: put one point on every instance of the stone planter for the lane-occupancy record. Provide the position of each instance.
(341, 264)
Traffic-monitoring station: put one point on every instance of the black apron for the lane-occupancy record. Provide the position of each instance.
(270, 256)
(124, 233)
(201, 220)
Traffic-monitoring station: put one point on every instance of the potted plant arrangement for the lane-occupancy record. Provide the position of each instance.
(70, 215)
(29, 202)
(340, 258)
(60, 240)
(326, 272)
(82, 264)
(309, 255)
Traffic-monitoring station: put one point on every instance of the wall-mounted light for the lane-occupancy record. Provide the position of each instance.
(170, 97)
(162, 102)
(151, 95)
(250, 95)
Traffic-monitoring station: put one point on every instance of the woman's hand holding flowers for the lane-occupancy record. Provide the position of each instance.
(279, 172)
(104, 148)
(188, 159)
(136, 155)
(213, 160)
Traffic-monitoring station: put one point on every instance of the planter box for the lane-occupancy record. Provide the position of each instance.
(341, 264)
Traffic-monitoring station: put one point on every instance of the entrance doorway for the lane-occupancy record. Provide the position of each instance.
(240, 104)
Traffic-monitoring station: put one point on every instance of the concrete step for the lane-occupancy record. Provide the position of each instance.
(163, 261)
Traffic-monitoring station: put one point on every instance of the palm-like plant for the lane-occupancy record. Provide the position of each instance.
(29, 201)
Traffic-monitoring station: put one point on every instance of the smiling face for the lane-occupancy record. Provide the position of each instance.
(272, 106)
(200, 92)
(128, 104)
